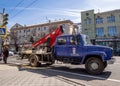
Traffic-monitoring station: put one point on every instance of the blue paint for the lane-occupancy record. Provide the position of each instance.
(81, 49)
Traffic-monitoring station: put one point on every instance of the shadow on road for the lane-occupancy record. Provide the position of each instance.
(75, 73)
(65, 71)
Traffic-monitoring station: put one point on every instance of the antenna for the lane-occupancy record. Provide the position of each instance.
(98, 10)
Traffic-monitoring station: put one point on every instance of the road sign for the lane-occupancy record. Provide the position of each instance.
(3, 31)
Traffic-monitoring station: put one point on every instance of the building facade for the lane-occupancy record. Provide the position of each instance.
(103, 28)
(27, 34)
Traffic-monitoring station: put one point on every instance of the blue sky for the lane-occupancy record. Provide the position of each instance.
(43, 10)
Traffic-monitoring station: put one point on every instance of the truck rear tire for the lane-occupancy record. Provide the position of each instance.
(34, 61)
(94, 65)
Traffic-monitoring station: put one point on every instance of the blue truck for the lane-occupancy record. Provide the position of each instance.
(74, 49)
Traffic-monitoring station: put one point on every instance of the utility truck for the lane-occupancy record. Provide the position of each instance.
(74, 49)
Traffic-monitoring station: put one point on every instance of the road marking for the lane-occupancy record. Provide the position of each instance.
(114, 80)
(116, 63)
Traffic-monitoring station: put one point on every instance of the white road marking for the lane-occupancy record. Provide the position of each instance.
(114, 80)
(116, 63)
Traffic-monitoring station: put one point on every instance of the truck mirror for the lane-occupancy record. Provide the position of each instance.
(61, 28)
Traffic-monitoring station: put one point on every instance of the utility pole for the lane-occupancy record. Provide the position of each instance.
(3, 27)
(3, 10)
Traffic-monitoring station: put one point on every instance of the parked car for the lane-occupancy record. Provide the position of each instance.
(11, 53)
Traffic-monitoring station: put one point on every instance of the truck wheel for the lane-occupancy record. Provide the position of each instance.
(105, 64)
(51, 61)
(48, 64)
(33, 61)
(94, 65)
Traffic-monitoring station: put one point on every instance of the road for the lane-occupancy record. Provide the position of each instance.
(74, 73)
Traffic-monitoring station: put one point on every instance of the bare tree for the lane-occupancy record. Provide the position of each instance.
(31, 39)
(15, 39)
(52, 28)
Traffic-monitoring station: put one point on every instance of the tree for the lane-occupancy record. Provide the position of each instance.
(31, 39)
(15, 39)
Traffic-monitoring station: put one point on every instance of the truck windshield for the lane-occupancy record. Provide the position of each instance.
(86, 39)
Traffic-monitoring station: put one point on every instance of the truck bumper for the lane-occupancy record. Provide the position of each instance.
(111, 61)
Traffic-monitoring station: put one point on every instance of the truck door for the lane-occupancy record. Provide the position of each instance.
(60, 48)
(75, 48)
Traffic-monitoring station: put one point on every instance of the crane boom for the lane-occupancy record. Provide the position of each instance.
(52, 36)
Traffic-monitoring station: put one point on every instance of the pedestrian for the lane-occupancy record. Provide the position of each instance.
(5, 54)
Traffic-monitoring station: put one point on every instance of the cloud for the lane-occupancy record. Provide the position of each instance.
(57, 11)
(30, 14)
(76, 20)
(39, 14)
(103, 5)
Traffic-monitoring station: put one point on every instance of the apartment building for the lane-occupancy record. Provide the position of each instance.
(22, 35)
(102, 27)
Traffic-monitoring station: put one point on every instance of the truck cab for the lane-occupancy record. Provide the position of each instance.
(77, 49)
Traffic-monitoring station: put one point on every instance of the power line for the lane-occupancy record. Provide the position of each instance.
(25, 8)
(17, 5)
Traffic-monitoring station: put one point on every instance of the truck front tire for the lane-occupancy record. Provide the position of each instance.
(34, 61)
(105, 64)
(94, 65)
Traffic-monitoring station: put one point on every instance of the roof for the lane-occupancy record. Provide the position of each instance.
(45, 24)
(112, 11)
(16, 25)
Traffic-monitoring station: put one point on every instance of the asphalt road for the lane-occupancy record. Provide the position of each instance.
(77, 73)
(110, 76)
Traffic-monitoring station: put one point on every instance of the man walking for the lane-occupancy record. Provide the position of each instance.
(5, 54)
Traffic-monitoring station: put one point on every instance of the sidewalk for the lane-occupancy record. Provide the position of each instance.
(13, 75)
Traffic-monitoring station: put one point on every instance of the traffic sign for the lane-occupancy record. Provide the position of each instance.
(3, 31)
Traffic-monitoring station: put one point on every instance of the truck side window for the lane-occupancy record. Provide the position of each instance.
(78, 39)
(72, 40)
(61, 41)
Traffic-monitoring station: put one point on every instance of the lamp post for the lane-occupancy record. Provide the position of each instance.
(115, 45)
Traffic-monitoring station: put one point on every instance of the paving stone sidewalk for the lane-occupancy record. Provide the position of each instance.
(12, 74)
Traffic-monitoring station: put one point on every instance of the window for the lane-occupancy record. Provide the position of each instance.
(112, 30)
(39, 28)
(99, 20)
(61, 41)
(44, 28)
(87, 21)
(100, 31)
(87, 14)
(63, 25)
(111, 19)
(72, 40)
(24, 31)
(16, 26)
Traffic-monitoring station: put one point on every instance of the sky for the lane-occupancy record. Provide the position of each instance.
(30, 12)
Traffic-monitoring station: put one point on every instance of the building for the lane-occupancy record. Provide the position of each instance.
(103, 28)
(27, 34)
(16, 26)
(78, 27)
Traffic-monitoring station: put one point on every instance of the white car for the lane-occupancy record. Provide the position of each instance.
(11, 53)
